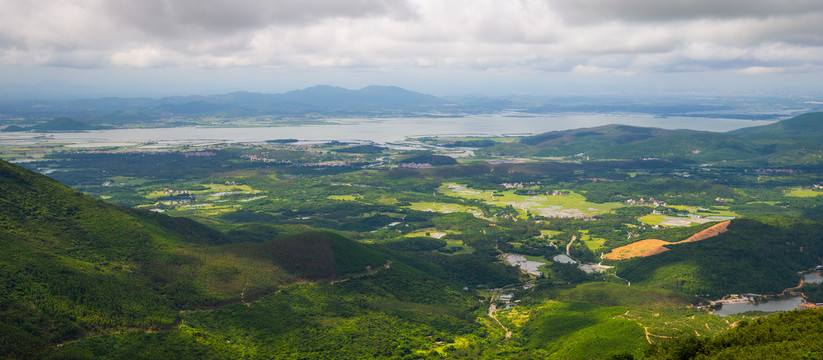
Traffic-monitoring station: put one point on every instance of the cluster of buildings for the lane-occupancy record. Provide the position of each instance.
(649, 201)
(175, 192)
(265, 159)
(775, 171)
(328, 163)
(739, 299)
(199, 154)
(518, 185)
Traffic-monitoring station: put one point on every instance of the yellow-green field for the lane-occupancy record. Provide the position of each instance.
(664, 220)
(804, 193)
(571, 205)
(444, 208)
(451, 243)
(550, 233)
(699, 216)
(208, 209)
(592, 243)
(437, 234)
(713, 211)
(343, 197)
(431, 232)
(215, 190)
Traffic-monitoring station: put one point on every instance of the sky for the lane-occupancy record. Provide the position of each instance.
(453, 47)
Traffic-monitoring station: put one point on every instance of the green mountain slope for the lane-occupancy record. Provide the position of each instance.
(793, 142)
(571, 142)
(805, 125)
(315, 255)
(702, 146)
(761, 256)
(789, 335)
(71, 265)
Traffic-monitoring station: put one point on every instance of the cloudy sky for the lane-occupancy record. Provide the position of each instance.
(435, 46)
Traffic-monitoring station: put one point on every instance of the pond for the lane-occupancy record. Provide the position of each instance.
(769, 306)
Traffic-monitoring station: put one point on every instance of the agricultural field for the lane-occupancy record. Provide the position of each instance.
(803, 193)
(569, 204)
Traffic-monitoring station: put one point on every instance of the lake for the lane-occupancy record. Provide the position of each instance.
(769, 306)
(380, 130)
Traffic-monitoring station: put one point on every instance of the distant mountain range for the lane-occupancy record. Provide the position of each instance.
(59, 124)
(324, 100)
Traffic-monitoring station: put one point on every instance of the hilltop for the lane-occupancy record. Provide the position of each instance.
(793, 141)
(801, 126)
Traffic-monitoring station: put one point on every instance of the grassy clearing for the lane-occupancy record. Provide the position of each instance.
(592, 243)
(550, 233)
(698, 216)
(663, 220)
(387, 201)
(445, 208)
(127, 181)
(431, 232)
(802, 193)
(572, 205)
(343, 197)
(211, 190)
(713, 211)
(451, 243)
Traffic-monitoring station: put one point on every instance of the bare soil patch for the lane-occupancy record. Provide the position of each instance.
(651, 247)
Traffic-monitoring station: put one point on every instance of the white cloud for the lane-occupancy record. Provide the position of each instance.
(488, 36)
(757, 70)
(144, 57)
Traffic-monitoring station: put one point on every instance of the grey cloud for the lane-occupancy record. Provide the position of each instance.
(180, 17)
(662, 10)
(7, 42)
(76, 60)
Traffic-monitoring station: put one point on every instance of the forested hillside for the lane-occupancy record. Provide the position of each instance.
(794, 141)
(72, 266)
(790, 335)
(755, 255)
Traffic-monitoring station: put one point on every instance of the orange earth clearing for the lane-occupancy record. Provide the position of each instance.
(651, 247)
